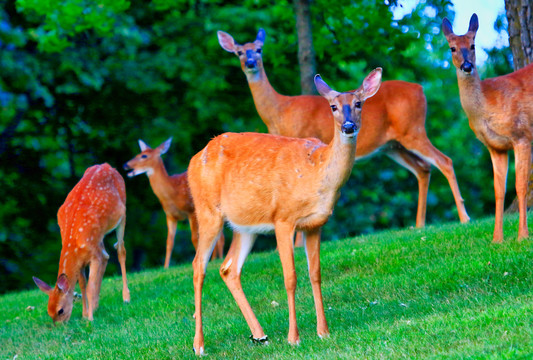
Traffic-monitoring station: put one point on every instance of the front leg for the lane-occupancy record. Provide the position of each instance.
(82, 279)
(284, 237)
(96, 272)
(500, 161)
(522, 153)
(312, 247)
(172, 224)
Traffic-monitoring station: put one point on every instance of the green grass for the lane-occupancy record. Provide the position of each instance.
(441, 292)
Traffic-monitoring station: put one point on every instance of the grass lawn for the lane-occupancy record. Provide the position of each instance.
(441, 292)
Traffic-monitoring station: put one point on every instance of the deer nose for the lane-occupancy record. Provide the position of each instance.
(250, 63)
(126, 167)
(467, 67)
(348, 127)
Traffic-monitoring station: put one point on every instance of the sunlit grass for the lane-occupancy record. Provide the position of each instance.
(441, 292)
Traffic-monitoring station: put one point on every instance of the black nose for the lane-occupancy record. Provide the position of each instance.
(348, 127)
(467, 67)
(250, 64)
(126, 167)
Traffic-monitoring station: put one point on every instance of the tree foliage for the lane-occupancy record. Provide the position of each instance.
(81, 81)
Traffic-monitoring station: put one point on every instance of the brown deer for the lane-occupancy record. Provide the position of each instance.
(262, 182)
(500, 112)
(396, 116)
(94, 207)
(172, 191)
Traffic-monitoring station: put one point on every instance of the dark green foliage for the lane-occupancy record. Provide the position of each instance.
(81, 81)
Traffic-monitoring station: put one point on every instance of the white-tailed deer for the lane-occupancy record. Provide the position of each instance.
(172, 191)
(262, 182)
(94, 207)
(396, 118)
(500, 112)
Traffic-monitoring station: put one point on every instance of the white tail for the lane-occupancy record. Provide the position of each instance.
(393, 120)
(94, 207)
(500, 112)
(261, 182)
(172, 191)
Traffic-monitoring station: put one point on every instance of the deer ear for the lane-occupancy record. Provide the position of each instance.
(372, 83)
(260, 37)
(446, 27)
(143, 145)
(62, 282)
(42, 285)
(226, 41)
(474, 24)
(324, 89)
(163, 148)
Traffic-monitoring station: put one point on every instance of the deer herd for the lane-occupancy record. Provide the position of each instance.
(289, 180)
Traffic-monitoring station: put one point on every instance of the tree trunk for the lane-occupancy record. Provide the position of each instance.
(520, 18)
(306, 53)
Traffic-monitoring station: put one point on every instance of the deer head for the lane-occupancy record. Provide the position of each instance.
(462, 46)
(60, 297)
(249, 54)
(144, 162)
(346, 107)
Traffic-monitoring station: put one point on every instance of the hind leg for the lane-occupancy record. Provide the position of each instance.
(230, 271)
(422, 171)
(425, 149)
(121, 250)
(210, 228)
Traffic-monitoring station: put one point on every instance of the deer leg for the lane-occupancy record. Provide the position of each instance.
(522, 153)
(82, 279)
(210, 227)
(230, 271)
(284, 237)
(121, 251)
(312, 250)
(299, 241)
(431, 154)
(96, 271)
(499, 164)
(172, 223)
(422, 170)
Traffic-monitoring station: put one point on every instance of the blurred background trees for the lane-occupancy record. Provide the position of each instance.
(82, 81)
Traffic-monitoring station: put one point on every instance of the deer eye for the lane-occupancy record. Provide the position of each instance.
(472, 47)
(358, 104)
(239, 53)
(258, 51)
(60, 312)
(144, 156)
(334, 107)
(453, 49)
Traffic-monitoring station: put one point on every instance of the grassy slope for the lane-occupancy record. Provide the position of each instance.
(441, 292)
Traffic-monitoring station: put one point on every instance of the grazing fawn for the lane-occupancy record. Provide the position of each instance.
(95, 207)
(500, 112)
(393, 121)
(172, 191)
(262, 182)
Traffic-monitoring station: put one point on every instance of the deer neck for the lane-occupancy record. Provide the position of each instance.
(69, 265)
(339, 159)
(159, 179)
(472, 98)
(266, 99)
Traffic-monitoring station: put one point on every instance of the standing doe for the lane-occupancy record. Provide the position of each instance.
(261, 182)
(172, 191)
(393, 121)
(500, 112)
(95, 207)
